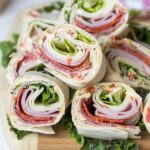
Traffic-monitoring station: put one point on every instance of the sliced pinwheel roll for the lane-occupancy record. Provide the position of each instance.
(140, 27)
(50, 11)
(128, 62)
(32, 31)
(72, 55)
(37, 102)
(22, 62)
(107, 111)
(99, 17)
(146, 113)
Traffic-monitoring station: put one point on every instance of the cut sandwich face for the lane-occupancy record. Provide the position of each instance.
(23, 62)
(31, 33)
(49, 11)
(128, 62)
(140, 27)
(141, 18)
(107, 111)
(72, 55)
(36, 102)
(102, 18)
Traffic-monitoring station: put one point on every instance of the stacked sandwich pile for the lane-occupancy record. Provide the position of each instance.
(87, 49)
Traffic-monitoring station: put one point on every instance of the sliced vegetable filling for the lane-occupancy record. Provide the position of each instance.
(115, 98)
(90, 5)
(104, 104)
(64, 47)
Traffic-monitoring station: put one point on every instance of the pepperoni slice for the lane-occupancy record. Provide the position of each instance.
(24, 116)
(84, 64)
(86, 110)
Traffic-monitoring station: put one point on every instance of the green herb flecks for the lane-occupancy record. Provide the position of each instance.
(7, 48)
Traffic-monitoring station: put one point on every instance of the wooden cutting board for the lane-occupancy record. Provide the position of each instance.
(60, 141)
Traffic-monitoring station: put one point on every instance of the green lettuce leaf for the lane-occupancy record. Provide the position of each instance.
(19, 133)
(48, 96)
(85, 38)
(7, 48)
(141, 125)
(140, 33)
(54, 6)
(142, 92)
(134, 12)
(94, 144)
(117, 97)
(68, 125)
(90, 5)
(71, 93)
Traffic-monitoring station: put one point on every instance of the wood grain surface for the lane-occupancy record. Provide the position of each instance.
(62, 141)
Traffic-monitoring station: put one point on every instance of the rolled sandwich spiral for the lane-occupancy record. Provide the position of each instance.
(107, 111)
(128, 62)
(72, 55)
(23, 62)
(102, 18)
(31, 33)
(36, 102)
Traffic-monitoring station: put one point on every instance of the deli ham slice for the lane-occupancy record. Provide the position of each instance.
(108, 111)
